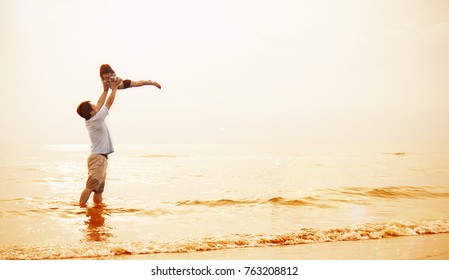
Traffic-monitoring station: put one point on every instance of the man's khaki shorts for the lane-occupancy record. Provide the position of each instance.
(97, 165)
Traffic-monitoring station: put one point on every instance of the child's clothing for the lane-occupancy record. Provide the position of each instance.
(124, 84)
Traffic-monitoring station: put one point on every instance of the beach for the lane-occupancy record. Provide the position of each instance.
(352, 201)
(426, 247)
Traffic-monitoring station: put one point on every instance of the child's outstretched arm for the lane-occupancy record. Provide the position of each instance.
(102, 98)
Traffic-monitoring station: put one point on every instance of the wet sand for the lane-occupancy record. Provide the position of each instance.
(423, 247)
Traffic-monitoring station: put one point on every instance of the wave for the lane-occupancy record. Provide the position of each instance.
(161, 156)
(396, 192)
(326, 198)
(230, 202)
(302, 236)
(329, 197)
(68, 213)
(396, 154)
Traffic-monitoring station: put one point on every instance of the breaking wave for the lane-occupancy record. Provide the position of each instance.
(302, 236)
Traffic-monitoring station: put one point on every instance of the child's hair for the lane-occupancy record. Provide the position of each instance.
(105, 69)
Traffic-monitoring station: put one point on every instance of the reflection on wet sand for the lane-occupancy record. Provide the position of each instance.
(96, 229)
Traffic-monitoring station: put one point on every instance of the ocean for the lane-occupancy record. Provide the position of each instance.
(190, 198)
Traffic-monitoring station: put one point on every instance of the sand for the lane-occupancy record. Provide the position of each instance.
(423, 247)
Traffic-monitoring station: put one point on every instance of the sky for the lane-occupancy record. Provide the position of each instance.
(248, 71)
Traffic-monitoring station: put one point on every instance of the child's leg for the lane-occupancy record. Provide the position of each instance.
(144, 83)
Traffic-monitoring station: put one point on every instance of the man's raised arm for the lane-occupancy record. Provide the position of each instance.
(102, 98)
(113, 92)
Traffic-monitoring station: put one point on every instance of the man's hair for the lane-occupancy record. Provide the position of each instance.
(84, 110)
(105, 69)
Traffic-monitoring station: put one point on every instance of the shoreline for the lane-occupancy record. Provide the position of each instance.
(421, 247)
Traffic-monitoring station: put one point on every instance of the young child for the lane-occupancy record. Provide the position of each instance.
(108, 76)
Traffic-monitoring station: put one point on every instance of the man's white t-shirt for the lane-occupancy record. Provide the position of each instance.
(99, 134)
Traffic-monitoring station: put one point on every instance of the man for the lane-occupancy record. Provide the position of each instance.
(101, 144)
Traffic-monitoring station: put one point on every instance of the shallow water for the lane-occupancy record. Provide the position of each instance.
(162, 198)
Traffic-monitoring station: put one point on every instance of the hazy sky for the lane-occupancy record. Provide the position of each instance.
(231, 71)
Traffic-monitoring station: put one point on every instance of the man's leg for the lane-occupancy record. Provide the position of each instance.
(97, 165)
(98, 194)
(98, 198)
(85, 197)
